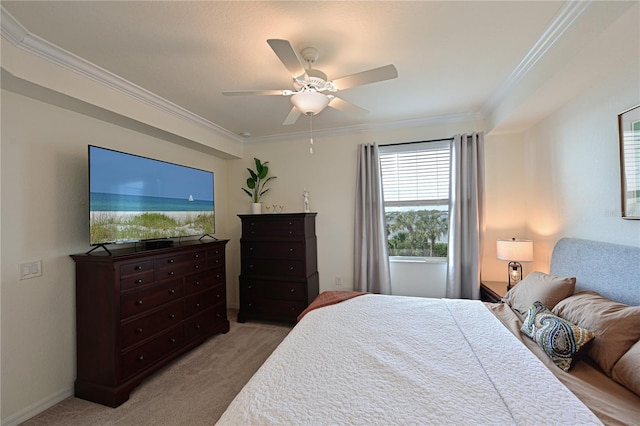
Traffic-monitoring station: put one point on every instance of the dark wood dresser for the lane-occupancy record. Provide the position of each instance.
(137, 310)
(279, 267)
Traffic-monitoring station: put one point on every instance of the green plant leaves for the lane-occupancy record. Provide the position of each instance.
(257, 180)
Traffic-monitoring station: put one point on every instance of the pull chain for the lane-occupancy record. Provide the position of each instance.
(310, 133)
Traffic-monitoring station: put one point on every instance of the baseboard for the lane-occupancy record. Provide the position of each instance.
(38, 407)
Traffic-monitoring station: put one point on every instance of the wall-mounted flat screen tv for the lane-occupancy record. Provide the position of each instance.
(134, 198)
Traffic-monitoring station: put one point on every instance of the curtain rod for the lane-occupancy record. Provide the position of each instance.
(411, 143)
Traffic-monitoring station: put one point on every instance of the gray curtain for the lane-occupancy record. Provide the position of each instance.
(371, 267)
(466, 216)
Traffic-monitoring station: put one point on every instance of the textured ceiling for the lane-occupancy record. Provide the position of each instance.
(452, 57)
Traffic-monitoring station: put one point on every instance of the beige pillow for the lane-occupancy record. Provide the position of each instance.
(538, 286)
(627, 369)
(617, 326)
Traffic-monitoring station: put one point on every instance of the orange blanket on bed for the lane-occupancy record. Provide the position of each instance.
(327, 298)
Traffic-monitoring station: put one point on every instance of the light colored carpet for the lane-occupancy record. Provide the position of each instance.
(193, 390)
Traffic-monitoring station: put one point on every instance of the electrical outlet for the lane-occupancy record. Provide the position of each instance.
(338, 281)
(30, 270)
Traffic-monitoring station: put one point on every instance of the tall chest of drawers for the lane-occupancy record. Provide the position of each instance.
(138, 310)
(279, 267)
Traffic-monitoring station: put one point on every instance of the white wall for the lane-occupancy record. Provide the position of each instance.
(44, 217)
(505, 200)
(573, 169)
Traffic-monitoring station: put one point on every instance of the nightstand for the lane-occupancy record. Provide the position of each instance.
(492, 291)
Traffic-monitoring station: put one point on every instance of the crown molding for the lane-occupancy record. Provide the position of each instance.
(13, 31)
(373, 127)
(561, 22)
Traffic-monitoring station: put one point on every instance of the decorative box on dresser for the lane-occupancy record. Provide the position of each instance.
(136, 310)
(279, 267)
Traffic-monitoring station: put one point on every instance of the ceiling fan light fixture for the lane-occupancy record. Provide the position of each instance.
(310, 103)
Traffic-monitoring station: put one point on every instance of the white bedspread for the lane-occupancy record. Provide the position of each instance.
(399, 360)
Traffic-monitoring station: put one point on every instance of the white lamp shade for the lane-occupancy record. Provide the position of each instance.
(515, 250)
(310, 103)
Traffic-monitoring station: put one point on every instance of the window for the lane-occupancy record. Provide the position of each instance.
(415, 181)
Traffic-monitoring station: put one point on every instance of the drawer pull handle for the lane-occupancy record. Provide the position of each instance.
(196, 266)
(138, 281)
(197, 305)
(293, 290)
(139, 302)
(172, 340)
(217, 251)
(250, 248)
(140, 357)
(197, 255)
(171, 273)
(217, 275)
(250, 304)
(290, 250)
(218, 315)
(290, 223)
(172, 316)
(197, 283)
(249, 287)
(218, 296)
(172, 291)
(290, 232)
(250, 266)
(291, 268)
(197, 326)
(170, 261)
(253, 232)
(138, 330)
(137, 268)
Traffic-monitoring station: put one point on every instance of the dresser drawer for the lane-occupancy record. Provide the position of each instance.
(164, 262)
(278, 229)
(283, 268)
(131, 281)
(272, 250)
(202, 301)
(136, 267)
(200, 324)
(204, 280)
(258, 289)
(146, 327)
(284, 309)
(139, 301)
(176, 269)
(138, 358)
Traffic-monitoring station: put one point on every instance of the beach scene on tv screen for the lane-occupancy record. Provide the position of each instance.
(135, 198)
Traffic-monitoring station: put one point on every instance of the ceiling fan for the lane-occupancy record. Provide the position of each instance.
(312, 91)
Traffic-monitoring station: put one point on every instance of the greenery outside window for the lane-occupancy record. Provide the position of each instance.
(415, 180)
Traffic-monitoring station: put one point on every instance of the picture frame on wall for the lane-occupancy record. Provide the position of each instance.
(629, 134)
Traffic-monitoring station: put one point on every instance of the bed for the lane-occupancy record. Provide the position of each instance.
(374, 359)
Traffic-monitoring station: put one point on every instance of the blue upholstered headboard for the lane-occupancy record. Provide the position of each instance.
(612, 270)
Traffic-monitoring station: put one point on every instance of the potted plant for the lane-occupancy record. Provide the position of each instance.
(256, 183)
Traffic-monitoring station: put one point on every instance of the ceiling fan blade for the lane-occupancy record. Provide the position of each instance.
(366, 77)
(292, 117)
(345, 106)
(257, 92)
(288, 57)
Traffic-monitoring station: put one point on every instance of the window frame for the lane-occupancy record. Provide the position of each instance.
(435, 202)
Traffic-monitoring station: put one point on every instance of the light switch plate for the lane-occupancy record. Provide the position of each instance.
(30, 270)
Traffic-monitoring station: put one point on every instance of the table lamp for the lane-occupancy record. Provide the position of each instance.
(515, 251)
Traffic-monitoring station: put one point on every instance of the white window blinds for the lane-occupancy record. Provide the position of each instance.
(416, 174)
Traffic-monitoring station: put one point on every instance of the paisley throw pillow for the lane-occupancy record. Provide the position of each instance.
(561, 340)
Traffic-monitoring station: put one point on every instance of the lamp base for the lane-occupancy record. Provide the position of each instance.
(515, 274)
